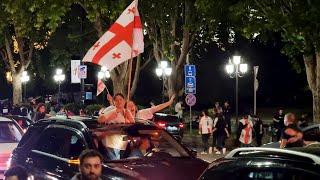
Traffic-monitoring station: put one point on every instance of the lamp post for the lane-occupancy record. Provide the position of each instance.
(59, 77)
(235, 70)
(163, 71)
(24, 79)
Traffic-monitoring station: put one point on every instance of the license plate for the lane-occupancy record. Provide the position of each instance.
(172, 128)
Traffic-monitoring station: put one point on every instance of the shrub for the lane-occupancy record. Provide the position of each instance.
(91, 109)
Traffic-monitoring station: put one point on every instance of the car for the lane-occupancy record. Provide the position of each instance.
(10, 134)
(310, 134)
(24, 122)
(264, 163)
(173, 124)
(51, 147)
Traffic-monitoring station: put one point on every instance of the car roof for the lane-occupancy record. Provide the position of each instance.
(4, 119)
(289, 154)
(310, 127)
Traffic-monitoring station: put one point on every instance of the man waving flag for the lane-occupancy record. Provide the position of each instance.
(123, 41)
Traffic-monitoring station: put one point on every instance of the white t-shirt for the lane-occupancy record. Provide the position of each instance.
(178, 109)
(119, 118)
(205, 124)
(115, 141)
(145, 114)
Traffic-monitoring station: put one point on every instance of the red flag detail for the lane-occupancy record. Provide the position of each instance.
(100, 86)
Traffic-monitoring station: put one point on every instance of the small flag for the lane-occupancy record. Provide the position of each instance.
(100, 87)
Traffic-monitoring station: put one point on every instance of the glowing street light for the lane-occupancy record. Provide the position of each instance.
(59, 77)
(163, 71)
(24, 79)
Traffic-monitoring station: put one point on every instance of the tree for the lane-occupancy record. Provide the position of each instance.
(178, 28)
(299, 25)
(26, 26)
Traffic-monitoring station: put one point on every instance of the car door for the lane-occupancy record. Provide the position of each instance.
(50, 159)
(312, 134)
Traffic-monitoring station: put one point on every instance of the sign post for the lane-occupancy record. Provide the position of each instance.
(190, 88)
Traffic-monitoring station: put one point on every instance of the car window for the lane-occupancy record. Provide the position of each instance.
(121, 145)
(61, 142)
(9, 132)
(312, 134)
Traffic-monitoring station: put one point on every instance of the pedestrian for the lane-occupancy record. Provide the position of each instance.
(245, 129)
(90, 165)
(147, 114)
(16, 173)
(119, 114)
(226, 109)
(258, 129)
(291, 135)
(222, 132)
(205, 129)
(179, 109)
(52, 111)
(303, 121)
(217, 108)
(40, 112)
(278, 123)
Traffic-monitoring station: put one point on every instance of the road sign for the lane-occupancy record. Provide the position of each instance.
(190, 85)
(83, 71)
(191, 100)
(190, 70)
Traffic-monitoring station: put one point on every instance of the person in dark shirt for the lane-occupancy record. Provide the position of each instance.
(291, 135)
(220, 128)
(40, 112)
(278, 123)
(258, 129)
(226, 109)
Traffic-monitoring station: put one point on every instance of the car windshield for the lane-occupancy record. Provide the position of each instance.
(119, 144)
(9, 133)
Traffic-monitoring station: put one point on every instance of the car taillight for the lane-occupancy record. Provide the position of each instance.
(181, 125)
(162, 124)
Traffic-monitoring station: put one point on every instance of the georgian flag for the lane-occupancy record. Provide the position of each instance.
(100, 87)
(123, 41)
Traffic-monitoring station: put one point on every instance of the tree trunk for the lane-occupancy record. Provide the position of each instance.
(17, 88)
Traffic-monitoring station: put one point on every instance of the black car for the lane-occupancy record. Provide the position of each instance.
(171, 123)
(50, 150)
(264, 164)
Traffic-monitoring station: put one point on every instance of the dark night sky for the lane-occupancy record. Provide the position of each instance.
(279, 84)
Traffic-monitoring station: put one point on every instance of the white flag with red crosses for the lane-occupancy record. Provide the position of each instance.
(123, 41)
(100, 87)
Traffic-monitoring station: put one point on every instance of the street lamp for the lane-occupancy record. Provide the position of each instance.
(163, 71)
(59, 77)
(24, 79)
(104, 73)
(235, 70)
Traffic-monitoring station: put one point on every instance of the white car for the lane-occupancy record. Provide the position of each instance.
(10, 135)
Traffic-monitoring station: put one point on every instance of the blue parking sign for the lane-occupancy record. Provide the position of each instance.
(190, 85)
(190, 70)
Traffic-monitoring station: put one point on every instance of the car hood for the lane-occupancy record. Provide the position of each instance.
(155, 168)
(272, 145)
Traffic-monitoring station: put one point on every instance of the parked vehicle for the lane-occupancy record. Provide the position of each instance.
(171, 123)
(265, 163)
(10, 135)
(51, 148)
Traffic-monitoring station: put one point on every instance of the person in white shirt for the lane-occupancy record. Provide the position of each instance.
(118, 114)
(179, 109)
(205, 129)
(147, 114)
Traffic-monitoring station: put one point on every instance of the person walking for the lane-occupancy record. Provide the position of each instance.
(278, 124)
(222, 132)
(258, 129)
(205, 129)
(226, 109)
(90, 165)
(245, 129)
(291, 135)
(178, 108)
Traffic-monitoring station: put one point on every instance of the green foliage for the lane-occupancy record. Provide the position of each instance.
(74, 107)
(91, 109)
